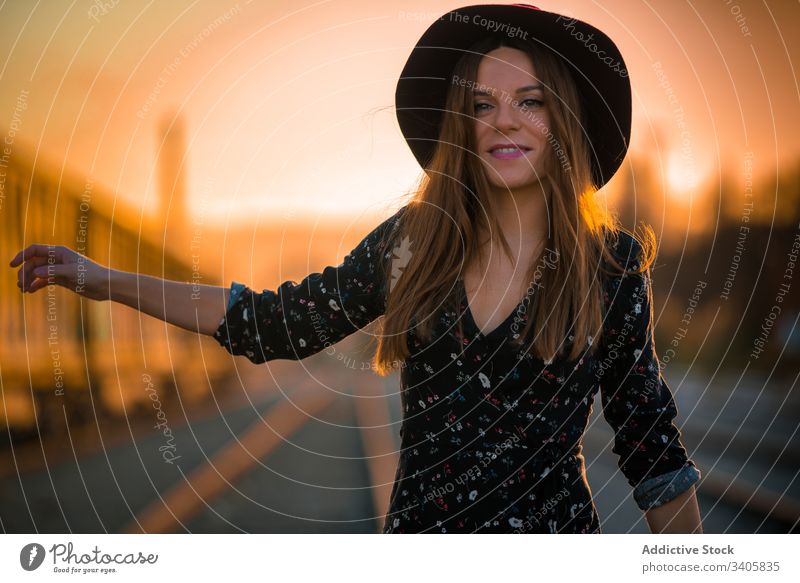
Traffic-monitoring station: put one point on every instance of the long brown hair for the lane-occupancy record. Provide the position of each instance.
(452, 207)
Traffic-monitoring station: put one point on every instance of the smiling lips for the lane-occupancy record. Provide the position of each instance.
(508, 151)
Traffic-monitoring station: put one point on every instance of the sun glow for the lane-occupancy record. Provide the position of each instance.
(682, 177)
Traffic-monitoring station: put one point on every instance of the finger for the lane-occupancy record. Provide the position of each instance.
(39, 284)
(26, 253)
(25, 273)
(57, 273)
(32, 278)
(35, 250)
(46, 275)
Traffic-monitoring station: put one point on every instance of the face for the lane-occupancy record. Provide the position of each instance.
(511, 120)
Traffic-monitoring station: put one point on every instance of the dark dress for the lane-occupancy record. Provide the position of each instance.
(490, 437)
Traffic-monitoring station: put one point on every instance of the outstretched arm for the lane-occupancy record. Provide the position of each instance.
(197, 308)
(294, 321)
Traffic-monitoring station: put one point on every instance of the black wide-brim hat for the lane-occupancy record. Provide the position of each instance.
(591, 56)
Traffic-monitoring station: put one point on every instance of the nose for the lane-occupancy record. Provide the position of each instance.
(506, 116)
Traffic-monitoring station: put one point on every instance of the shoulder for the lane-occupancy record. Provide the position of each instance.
(391, 224)
(626, 279)
(379, 241)
(626, 249)
(384, 229)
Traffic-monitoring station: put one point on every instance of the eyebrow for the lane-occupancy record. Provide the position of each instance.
(520, 90)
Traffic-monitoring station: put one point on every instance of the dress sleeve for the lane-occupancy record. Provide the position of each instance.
(300, 319)
(636, 400)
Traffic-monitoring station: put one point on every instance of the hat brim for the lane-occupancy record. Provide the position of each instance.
(595, 61)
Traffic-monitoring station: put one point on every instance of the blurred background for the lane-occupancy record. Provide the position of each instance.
(211, 141)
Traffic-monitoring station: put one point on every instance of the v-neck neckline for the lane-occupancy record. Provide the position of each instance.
(468, 313)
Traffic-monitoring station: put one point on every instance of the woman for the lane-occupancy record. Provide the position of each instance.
(518, 116)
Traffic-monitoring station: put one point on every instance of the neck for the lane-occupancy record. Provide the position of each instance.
(522, 213)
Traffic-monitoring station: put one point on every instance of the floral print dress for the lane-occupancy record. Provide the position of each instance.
(491, 436)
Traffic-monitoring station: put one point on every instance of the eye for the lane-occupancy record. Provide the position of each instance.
(479, 108)
(538, 102)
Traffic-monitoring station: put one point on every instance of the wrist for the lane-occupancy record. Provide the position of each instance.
(119, 286)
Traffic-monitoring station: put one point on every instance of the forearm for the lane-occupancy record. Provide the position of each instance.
(194, 307)
(679, 515)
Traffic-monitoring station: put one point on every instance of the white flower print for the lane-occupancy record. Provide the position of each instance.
(515, 522)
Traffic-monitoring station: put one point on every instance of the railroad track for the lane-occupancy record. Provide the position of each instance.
(315, 461)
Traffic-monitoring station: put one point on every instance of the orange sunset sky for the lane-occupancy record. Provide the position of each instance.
(288, 105)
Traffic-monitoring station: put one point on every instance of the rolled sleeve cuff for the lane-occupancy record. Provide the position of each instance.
(236, 291)
(656, 491)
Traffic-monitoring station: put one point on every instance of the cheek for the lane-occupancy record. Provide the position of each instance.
(541, 127)
(480, 134)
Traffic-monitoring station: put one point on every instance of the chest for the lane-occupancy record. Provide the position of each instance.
(495, 288)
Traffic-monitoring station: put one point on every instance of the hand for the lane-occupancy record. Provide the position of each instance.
(56, 264)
